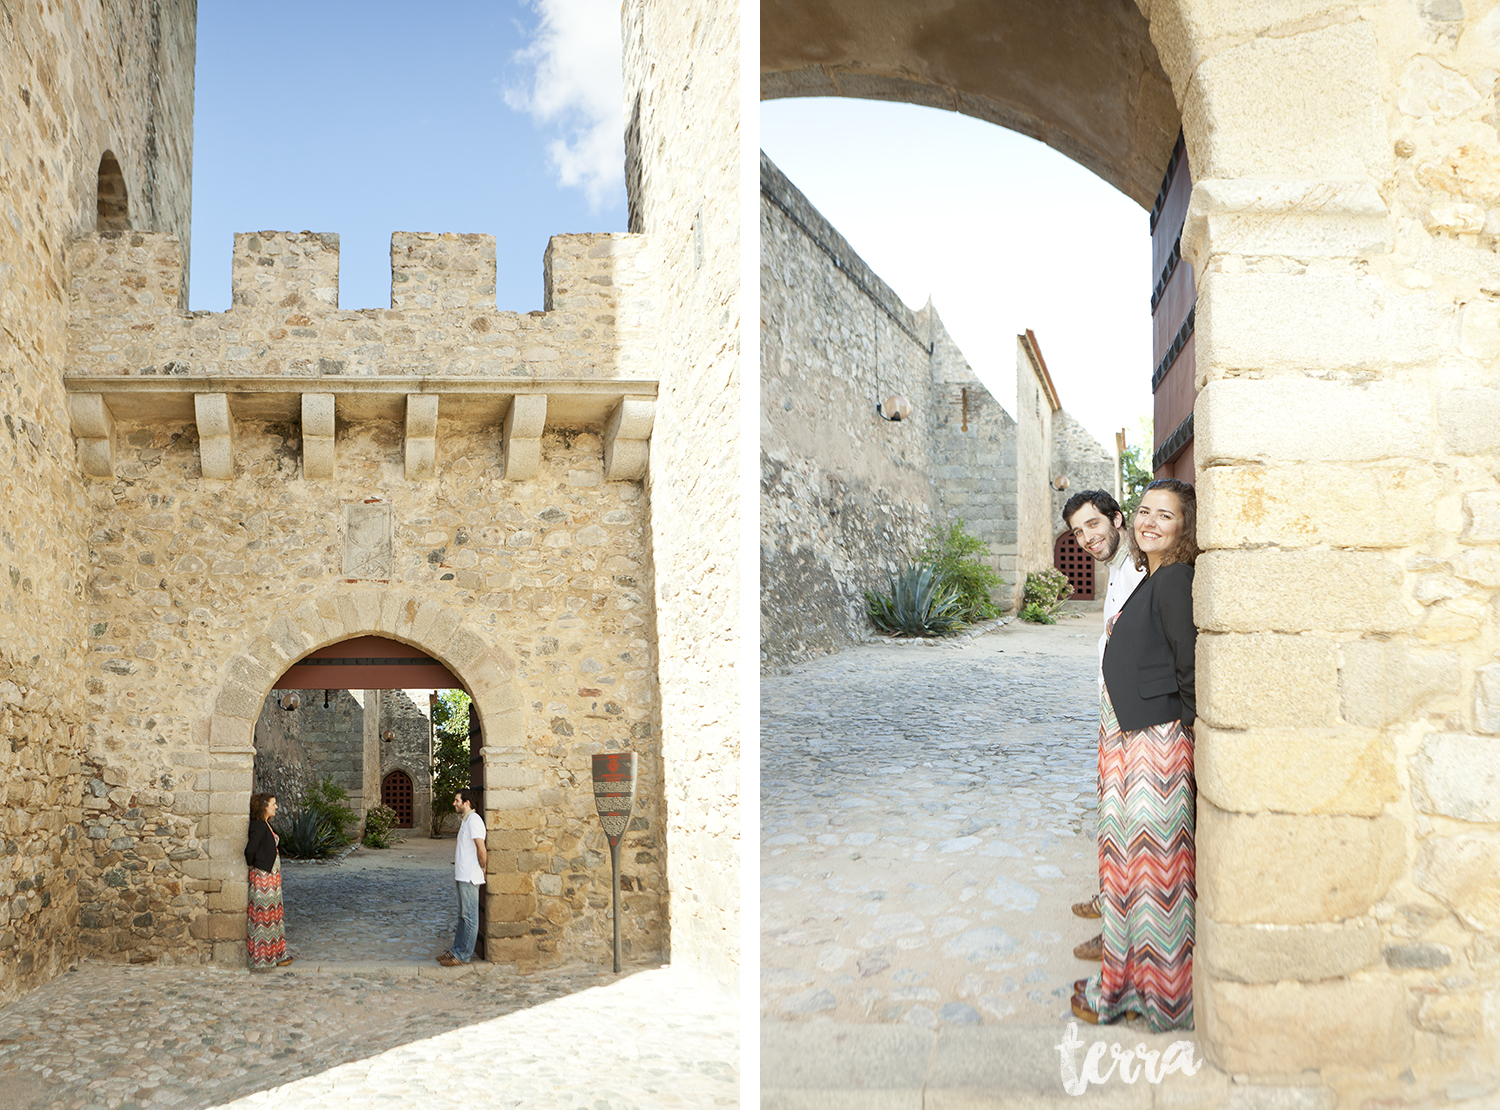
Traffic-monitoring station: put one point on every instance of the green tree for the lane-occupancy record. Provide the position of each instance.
(450, 752)
(1135, 468)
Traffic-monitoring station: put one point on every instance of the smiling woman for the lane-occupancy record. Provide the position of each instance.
(1147, 792)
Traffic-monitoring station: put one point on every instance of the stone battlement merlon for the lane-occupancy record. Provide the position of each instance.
(126, 315)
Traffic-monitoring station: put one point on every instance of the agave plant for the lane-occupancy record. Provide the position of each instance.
(916, 604)
(308, 836)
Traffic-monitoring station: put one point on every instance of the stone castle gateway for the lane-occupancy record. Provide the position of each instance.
(193, 502)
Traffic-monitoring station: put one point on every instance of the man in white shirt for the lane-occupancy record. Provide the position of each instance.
(1099, 527)
(469, 859)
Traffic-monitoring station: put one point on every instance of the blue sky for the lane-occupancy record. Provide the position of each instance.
(373, 117)
(1001, 231)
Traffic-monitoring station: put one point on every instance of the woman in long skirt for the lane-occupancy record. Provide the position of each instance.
(1146, 788)
(265, 925)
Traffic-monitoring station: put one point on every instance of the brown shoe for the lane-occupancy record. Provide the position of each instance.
(286, 962)
(447, 960)
(1091, 949)
(1090, 908)
(1079, 985)
(1082, 1012)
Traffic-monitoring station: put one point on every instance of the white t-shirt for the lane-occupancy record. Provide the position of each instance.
(1123, 579)
(466, 867)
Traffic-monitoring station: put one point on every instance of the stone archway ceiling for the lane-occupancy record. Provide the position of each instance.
(1080, 75)
(368, 663)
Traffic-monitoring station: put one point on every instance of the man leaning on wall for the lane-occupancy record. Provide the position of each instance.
(1095, 519)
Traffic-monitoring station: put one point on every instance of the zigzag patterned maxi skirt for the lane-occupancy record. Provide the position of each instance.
(265, 927)
(1146, 865)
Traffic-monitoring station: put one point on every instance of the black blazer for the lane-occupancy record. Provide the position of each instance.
(1148, 663)
(260, 851)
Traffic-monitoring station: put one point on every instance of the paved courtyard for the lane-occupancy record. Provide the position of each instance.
(365, 1017)
(927, 819)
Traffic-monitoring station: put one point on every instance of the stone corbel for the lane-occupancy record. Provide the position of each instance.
(627, 439)
(317, 435)
(521, 435)
(421, 436)
(94, 427)
(215, 435)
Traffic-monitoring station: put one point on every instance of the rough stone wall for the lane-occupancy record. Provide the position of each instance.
(682, 169)
(974, 455)
(410, 751)
(1078, 456)
(295, 749)
(67, 94)
(545, 558)
(846, 497)
(1343, 230)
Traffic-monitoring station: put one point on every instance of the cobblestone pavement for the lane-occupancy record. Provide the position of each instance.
(406, 1033)
(927, 818)
(386, 905)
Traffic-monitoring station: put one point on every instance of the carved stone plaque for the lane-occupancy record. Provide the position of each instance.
(368, 550)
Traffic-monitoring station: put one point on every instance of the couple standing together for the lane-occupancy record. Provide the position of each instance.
(1146, 790)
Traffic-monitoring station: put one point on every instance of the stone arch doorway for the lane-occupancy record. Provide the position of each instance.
(438, 632)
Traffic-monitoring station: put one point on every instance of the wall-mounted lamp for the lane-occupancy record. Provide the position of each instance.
(1060, 483)
(896, 407)
(290, 702)
(388, 735)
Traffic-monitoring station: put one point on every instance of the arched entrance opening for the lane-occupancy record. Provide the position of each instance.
(1084, 78)
(346, 729)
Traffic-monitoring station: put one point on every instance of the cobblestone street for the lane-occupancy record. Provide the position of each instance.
(365, 1016)
(927, 819)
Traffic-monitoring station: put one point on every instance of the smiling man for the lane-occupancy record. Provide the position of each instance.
(1097, 524)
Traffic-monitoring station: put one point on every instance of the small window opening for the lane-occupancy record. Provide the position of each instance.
(114, 205)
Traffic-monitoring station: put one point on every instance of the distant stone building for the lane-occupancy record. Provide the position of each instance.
(846, 496)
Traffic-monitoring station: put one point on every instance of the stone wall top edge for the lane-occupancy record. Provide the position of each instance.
(778, 189)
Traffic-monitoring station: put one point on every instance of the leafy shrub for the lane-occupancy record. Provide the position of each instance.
(1045, 592)
(307, 836)
(378, 825)
(916, 604)
(330, 803)
(954, 554)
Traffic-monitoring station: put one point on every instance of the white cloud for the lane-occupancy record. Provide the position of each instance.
(575, 88)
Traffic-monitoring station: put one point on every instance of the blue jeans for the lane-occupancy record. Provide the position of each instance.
(468, 922)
